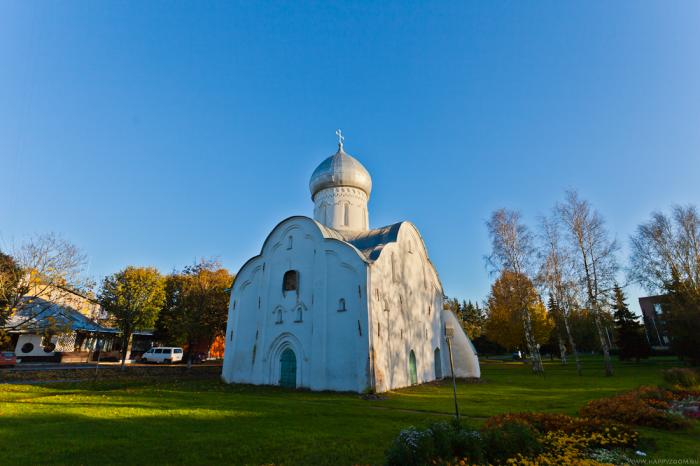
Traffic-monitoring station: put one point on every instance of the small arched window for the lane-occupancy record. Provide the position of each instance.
(341, 305)
(278, 315)
(299, 314)
(290, 281)
(290, 242)
(346, 214)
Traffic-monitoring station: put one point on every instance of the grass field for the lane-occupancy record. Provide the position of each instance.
(205, 421)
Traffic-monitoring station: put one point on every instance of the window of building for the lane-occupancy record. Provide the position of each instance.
(341, 305)
(290, 242)
(299, 314)
(278, 315)
(290, 281)
(346, 215)
(658, 309)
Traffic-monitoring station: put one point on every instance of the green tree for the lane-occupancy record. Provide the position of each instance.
(453, 305)
(196, 305)
(10, 282)
(629, 333)
(683, 320)
(472, 319)
(134, 296)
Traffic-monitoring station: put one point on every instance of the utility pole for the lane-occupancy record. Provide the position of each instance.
(449, 333)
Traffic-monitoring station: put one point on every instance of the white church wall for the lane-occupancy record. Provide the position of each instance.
(465, 358)
(405, 307)
(342, 208)
(265, 320)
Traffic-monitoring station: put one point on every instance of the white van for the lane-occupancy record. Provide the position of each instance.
(165, 355)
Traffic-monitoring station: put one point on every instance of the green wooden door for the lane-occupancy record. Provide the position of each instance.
(412, 368)
(438, 364)
(288, 369)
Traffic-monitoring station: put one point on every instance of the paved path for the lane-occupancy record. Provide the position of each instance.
(50, 366)
(39, 382)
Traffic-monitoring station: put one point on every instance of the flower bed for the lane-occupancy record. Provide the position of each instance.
(646, 406)
(603, 434)
(515, 439)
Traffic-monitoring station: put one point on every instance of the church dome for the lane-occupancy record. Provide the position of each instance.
(338, 170)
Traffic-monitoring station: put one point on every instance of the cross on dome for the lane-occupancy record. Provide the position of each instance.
(341, 138)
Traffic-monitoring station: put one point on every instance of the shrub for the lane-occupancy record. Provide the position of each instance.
(682, 377)
(440, 441)
(508, 441)
(413, 447)
(550, 422)
(645, 406)
(467, 444)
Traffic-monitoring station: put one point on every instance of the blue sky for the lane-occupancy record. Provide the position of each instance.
(155, 133)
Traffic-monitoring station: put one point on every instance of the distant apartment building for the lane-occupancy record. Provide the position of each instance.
(654, 313)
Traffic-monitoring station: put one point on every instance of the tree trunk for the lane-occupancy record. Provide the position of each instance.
(574, 351)
(532, 345)
(603, 343)
(562, 349)
(126, 348)
(189, 355)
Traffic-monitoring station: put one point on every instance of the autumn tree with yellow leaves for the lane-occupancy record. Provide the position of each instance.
(510, 294)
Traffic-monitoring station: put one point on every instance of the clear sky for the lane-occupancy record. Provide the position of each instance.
(155, 133)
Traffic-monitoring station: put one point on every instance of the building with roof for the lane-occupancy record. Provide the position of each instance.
(653, 313)
(64, 325)
(330, 304)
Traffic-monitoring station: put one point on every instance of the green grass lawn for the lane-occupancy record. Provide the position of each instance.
(205, 421)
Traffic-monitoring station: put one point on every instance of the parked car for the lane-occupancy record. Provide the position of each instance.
(162, 355)
(7, 359)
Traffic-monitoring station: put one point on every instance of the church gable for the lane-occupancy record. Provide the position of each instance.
(304, 297)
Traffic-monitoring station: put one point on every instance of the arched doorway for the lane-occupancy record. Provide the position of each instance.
(438, 364)
(288, 369)
(412, 368)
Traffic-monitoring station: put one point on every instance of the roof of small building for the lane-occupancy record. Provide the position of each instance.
(42, 314)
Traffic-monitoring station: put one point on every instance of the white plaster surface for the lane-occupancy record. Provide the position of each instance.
(366, 299)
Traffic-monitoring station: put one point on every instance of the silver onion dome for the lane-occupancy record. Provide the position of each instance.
(340, 169)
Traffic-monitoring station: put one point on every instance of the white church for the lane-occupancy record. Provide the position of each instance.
(330, 304)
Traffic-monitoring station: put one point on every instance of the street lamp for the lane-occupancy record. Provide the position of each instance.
(449, 334)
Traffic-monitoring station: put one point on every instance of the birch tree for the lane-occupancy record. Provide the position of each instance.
(666, 258)
(512, 250)
(43, 271)
(556, 274)
(595, 262)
